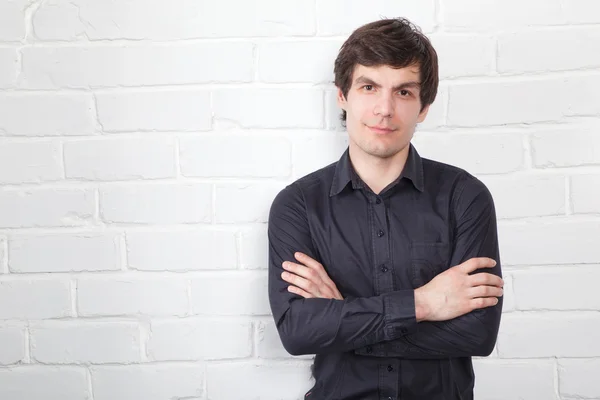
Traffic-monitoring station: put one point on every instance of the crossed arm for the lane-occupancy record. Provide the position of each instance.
(456, 314)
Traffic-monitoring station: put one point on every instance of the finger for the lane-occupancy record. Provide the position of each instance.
(302, 270)
(474, 264)
(300, 292)
(306, 260)
(483, 278)
(313, 284)
(301, 283)
(485, 291)
(483, 302)
(318, 267)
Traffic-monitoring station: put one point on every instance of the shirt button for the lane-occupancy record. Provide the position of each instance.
(403, 330)
(378, 200)
(390, 368)
(380, 233)
(369, 349)
(384, 268)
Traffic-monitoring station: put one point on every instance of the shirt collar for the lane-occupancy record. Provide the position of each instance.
(345, 172)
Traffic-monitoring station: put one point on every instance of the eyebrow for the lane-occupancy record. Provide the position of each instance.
(404, 85)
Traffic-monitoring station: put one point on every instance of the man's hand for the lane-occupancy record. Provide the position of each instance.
(309, 279)
(454, 292)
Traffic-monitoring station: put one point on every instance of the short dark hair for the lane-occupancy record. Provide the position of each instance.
(395, 42)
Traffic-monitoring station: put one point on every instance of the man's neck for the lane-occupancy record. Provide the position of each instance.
(377, 172)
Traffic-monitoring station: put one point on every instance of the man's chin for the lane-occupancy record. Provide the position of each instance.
(382, 152)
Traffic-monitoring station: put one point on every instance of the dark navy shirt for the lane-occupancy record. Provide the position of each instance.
(378, 248)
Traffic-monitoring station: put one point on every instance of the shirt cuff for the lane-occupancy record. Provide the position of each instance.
(399, 313)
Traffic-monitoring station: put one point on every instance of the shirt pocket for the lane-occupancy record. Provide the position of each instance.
(427, 260)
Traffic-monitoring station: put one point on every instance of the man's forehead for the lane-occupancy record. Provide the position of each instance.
(372, 72)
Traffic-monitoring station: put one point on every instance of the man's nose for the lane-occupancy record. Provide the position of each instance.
(384, 106)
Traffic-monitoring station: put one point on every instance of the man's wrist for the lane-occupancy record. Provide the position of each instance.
(421, 307)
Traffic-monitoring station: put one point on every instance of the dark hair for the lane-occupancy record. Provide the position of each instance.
(394, 42)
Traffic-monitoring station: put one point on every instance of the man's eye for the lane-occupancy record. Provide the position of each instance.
(368, 87)
(404, 93)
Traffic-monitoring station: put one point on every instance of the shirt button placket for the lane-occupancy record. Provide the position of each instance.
(384, 283)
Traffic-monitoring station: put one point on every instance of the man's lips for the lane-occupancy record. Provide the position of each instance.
(381, 129)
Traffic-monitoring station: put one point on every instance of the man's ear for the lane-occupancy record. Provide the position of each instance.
(423, 114)
(341, 100)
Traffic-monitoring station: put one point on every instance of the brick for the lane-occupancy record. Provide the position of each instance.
(55, 114)
(154, 111)
(270, 108)
(211, 294)
(556, 242)
(553, 49)
(131, 295)
(268, 343)
(226, 155)
(332, 111)
(156, 203)
(297, 61)
(182, 250)
(8, 66)
(149, 382)
(357, 13)
(508, 301)
(16, 301)
(587, 101)
(478, 153)
(13, 344)
(280, 381)
(548, 148)
(551, 334)
(64, 252)
(494, 15)
(579, 378)
(12, 28)
(582, 11)
(199, 339)
(254, 248)
(41, 383)
(545, 195)
(85, 342)
(574, 283)
(436, 116)
(120, 159)
(529, 380)
(585, 192)
(130, 65)
(182, 19)
(46, 208)
(315, 151)
(464, 55)
(3, 255)
(255, 207)
(25, 162)
(475, 104)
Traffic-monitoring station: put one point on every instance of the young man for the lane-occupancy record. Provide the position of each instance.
(385, 264)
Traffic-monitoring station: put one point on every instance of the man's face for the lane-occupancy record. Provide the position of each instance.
(382, 109)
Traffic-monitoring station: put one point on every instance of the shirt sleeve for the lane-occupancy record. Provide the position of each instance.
(472, 334)
(313, 326)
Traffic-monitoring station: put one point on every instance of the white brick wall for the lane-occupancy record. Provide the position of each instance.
(46, 114)
(142, 141)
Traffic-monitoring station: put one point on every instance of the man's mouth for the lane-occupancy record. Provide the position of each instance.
(381, 130)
